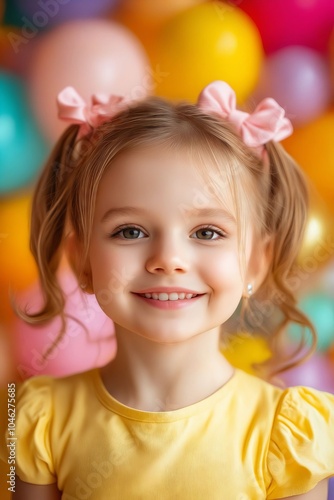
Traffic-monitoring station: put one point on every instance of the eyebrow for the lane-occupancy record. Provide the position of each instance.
(122, 211)
(197, 212)
(212, 212)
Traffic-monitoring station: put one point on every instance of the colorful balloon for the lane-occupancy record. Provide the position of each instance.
(331, 354)
(14, 248)
(331, 489)
(22, 147)
(292, 22)
(210, 41)
(318, 242)
(17, 264)
(11, 15)
(6, 358)
(244, 349)
(45, 13)
(15, 50)
(299, 79)
(317, 372)
(94, 56)
(319, 307)
(326, 281)
(313, 148)
(145, 18)
(87, 343)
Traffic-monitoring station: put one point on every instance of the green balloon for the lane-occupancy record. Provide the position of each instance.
(319, 308)
(22, 146)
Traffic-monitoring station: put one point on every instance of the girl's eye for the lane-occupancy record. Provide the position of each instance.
(208, 233)
(129, 233)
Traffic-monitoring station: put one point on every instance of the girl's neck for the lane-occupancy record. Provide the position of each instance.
(152, 376)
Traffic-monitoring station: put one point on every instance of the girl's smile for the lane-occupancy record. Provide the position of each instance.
(169, 300)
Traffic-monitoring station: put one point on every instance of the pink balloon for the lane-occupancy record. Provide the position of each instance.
(85, 345)
(317, 372)
(291, 22)
(94, 56)
(299, 79)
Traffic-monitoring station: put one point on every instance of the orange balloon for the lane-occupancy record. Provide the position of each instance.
(18, 268)
(15, 50)
(211, 41)
(331, 353)
(145, 18)
(312, 146)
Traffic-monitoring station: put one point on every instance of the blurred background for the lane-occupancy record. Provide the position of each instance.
(283, 49)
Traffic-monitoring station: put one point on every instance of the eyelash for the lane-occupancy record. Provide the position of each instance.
(122, 228)
(219, 232)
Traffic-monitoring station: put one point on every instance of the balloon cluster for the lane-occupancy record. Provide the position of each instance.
(171, 49)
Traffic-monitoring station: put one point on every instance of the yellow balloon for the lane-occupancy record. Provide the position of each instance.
(312, 146)
(18, 269)
(243, 350)
(211, 41)
(318, 242)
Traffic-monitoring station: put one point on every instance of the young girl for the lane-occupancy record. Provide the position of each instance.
(171, 214)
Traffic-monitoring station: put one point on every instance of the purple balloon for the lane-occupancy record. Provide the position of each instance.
(45, 13)
(317, 372)
(298, 78)
(331, 489)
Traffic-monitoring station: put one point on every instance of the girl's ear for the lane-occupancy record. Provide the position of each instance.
(260, 262)
(74, 252)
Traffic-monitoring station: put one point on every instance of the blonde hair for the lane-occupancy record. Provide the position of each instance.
(66, 193)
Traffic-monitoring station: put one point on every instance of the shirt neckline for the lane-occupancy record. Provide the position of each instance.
(162, 416)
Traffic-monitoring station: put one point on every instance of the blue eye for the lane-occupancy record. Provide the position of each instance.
(129, 233)
(208, 233)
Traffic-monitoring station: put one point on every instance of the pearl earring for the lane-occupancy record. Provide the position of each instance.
(83, 285)
(249, 289)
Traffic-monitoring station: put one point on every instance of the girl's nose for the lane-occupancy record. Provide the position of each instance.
(168, 256)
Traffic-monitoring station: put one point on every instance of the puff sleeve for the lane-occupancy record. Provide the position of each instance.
(33, 419)
(301, 447)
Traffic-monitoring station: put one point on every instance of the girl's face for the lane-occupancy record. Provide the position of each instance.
(158, 234)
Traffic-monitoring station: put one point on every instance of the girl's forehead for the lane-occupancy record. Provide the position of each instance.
(161, 166)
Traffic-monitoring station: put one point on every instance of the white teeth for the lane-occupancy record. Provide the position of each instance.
(169, 296)
(173, 296)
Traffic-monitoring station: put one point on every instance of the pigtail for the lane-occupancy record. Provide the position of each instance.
(48, 222)
(285, 219)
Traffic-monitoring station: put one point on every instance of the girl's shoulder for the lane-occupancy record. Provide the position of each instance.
(33, 405)
(301, 445)
(297, 434)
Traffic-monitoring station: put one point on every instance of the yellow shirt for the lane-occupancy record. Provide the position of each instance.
(247, 441)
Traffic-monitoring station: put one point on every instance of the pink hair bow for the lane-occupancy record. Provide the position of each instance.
(266, 123)
(74, 109)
